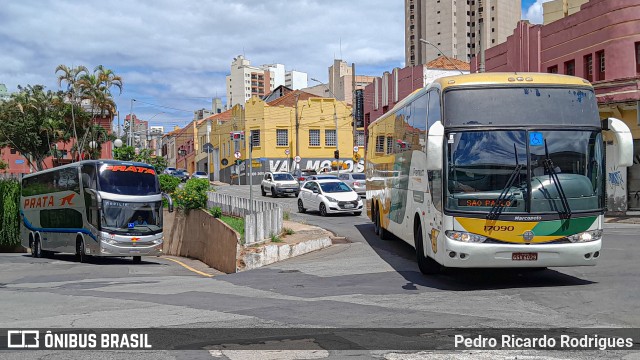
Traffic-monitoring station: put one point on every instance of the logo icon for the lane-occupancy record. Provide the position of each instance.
(528, 235)
(23, 339)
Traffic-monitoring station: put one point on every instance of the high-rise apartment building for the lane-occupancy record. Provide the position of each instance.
(246, 80)
(558, 9)
(456, 28)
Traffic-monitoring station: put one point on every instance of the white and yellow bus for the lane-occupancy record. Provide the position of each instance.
(494, 170)
(93, 208)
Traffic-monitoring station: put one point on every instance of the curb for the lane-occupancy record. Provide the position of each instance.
(273, 253)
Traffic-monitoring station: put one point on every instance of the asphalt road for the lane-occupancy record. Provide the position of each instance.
(363, 283)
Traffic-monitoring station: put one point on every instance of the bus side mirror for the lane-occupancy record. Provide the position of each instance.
(623, 143)
(435, 137)
(98, 197)
(169, 201)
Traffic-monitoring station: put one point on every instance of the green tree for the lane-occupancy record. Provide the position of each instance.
(125, 153)
(30, 122)
(71, 76)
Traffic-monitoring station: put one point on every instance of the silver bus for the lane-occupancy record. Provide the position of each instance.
(93, 208)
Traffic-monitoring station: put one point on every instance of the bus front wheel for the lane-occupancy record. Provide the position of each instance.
(80, 251)
(427, 265)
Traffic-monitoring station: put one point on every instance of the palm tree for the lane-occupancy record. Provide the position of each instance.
(71, 75)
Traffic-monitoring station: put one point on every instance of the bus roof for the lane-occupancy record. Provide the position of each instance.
(83, 162)
(510, 78)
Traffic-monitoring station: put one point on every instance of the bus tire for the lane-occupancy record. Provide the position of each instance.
(137, 259)
(36, 250)
(80, 254)
(426, 264)
(374, 218)
(383, 234)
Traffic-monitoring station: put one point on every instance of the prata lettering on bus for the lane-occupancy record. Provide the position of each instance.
(47, 201)
(136, 169)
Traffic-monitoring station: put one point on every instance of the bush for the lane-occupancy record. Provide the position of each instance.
(168, 183)
(9, 213)
(193, 195)
(216, 212)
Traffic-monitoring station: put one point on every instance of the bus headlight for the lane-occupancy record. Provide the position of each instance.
(157, 241)
(464, 236)
(109, 241)
(592, 235)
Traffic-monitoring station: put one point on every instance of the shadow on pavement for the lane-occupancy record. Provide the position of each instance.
(394, 250)
(150, 260)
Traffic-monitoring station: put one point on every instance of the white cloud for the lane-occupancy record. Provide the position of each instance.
(172, 50)
(534, 12)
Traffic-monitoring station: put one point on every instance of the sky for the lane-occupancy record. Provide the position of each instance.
(173, 56)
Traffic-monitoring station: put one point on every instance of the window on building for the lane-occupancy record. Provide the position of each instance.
(493, 41)
(389, 144)
(588, 67)
(314, 137)
(601, 67)
(570, 67)
(638, 57)
(380, 144)
(329, 138)
(360, 137)
(553, 69)
(282, 137)
(255, 138)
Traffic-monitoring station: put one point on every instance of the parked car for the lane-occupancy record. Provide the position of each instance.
(303, 175)
(279, 183)
(200, 175)
(329, 196)
(322, 177)
(182, 175)
(356, 181)
(169, 170)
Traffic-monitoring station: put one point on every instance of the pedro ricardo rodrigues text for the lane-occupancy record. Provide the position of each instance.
(544, 341)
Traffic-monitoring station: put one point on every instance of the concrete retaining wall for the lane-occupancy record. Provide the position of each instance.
(199, 235)
(272, 253)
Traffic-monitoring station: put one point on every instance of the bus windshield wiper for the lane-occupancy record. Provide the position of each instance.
(550, 167)
(497, 207)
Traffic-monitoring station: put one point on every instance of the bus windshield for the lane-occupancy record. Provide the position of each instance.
(529, 105)
(131, 218)
(523, 171)
(128, 180)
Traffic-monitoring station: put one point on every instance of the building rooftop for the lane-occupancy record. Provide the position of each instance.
(289, 99)
(444, 63)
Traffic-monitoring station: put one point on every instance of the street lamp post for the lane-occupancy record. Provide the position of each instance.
(443, 54)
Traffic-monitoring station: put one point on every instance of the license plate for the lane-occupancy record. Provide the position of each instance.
(289, 190)
(524, 256)
(349, 206)
(134, 251)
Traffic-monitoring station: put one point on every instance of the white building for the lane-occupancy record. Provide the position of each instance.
(246, 80)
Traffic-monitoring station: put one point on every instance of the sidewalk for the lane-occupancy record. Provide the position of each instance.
(631, 217)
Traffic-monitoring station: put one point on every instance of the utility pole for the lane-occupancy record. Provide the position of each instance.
(353, 105)
(297, 127)
(335, 119)
(130, 140)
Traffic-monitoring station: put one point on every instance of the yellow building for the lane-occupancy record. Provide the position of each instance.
(297, 124)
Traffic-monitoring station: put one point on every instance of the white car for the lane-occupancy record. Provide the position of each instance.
(329, 197)
(279, 183)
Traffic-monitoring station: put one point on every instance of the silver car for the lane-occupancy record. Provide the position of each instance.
(199, 175)
(357, 181)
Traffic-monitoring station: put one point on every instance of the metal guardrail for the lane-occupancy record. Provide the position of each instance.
(267, 219)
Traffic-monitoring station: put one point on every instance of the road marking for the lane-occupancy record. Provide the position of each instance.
(188, 267)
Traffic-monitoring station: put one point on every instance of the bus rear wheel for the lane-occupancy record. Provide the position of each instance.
(137, 259)
(427, 265)
(383, 234)
(36, 248)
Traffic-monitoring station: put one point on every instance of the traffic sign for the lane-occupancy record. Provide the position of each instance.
(356, 157)
(297, 159)
(208, 148)
(237, 155)
(355, 149)
(286, 152)
(19, 161)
